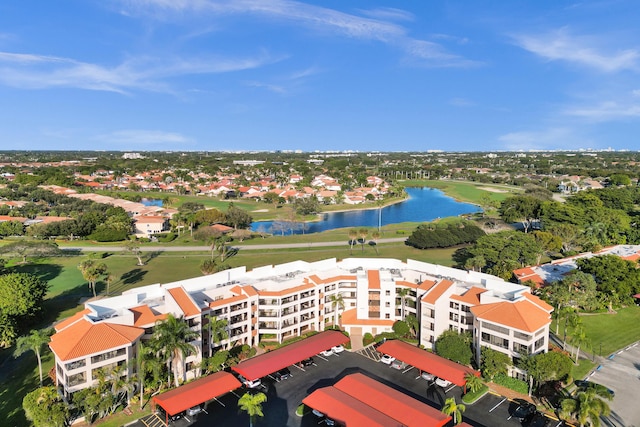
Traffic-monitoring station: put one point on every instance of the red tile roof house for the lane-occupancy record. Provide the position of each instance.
(278, 302)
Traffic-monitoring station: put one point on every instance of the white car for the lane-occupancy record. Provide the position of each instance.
(250, 384)
(398, 364)
(337, 349)
(386, 359)
(327, 352)
(427, 376)
(442, 382)
(317, 413)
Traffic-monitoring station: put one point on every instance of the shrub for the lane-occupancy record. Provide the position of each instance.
(108, 235)
(511, 383)
(166, 237)
(367, 339)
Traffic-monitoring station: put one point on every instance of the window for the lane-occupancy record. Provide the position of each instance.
(76, 379)
(387, 316)
(521, 348)
(387, 293)
(75, 365)
(496, 328)
(521, 336)
(539, 343)
(454, 305)
(108, 355)
(497, 341)
(453, 316)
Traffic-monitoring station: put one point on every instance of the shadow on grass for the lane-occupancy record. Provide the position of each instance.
(67, 300)
(44, 272)
(133, 276)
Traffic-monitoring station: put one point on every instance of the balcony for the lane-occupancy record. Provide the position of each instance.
(237, 307)
(375, 296)
(289, 311)
(374, 303)
(270, 313)
(268, 325)
(237, 319)
(374, 315)
(307, 305)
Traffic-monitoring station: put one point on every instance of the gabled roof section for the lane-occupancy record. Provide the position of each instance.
(538, 301)
(287, 291)
(402, 408)
(225, 301)
(184, 301)
(471, 297)
(426, 361)
(84, 338)
(143, 316)
(437, 291)
(71, 320)
(268, 363)
(197, 392)
(523, 315)
(350, 317)
(374, 279)
(426, 285)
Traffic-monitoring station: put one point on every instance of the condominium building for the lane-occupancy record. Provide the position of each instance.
(274, 303)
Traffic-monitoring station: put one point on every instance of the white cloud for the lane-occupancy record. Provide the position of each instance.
(32, 71)
(388, 13)
(143, 137)
(606, 111)
(529, 140)
(589, 51)
(375, 26)
(460, 102)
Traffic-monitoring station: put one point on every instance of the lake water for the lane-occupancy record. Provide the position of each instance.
(151, 202)
(424, 204)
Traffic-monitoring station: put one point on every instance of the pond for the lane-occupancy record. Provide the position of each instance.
(151, 202)
(424, 204)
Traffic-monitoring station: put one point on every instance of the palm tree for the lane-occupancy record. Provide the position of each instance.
(337, 302)
(252, 405)
(109, 280)
(453, 409)
(363, 233)
(579, 338)
(587, 405)
(353, 234)
(375, 235)
(91, 272)
(473, 382)
(402, 293)
(171, 341)
(218, 331)
(34, 342)
(146, 362)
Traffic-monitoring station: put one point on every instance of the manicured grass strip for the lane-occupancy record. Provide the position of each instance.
(612, 331)
(470, 192)
(511, 383)
(471, 397)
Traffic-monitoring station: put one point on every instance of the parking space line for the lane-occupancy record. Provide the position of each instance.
(498, 404)
(407, 370)
(216, 399)
(300, 368)
(326, 360)
(450, 388)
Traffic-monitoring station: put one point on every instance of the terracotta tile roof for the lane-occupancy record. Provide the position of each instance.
(144, 316)
(225, 301)
(287, 291)
(188, 307)
(538, 301)
(436, 291)
(374, 279)
(471, 297)
(71, 320)
(349, 317)
(84, 338)
(522, 315)
(250, 291)
(314, 278)
(426, 285)
(221, 228)
(407, 284)
(4, 218)
(148, 219)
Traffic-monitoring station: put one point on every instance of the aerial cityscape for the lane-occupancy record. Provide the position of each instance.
(300, 213)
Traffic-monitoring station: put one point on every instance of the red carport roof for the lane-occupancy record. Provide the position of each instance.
(197, 392)
(346, 409)
(406, 410)
(429, 362)
(268, 363)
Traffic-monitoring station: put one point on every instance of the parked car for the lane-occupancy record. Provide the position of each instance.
(250, 384)
(306, 362)
(427, 376)
(583, 385)
(398, 364)
(328, 352)
(386, 359)
(442, 382)
(337, 349)
(282, 374)
(536, 420)
(194, 411)
(523, 410)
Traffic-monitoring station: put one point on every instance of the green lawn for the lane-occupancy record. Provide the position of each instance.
(609, 333)
(465, 191)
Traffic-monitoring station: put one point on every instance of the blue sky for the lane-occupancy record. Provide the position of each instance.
(385, 75)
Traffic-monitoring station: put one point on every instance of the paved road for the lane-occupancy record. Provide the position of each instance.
(237, 246)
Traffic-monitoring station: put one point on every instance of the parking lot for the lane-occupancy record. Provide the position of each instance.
(284, 397)
(620, 373)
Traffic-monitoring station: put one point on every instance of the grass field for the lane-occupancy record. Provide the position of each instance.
(610, 332)
(470, 192)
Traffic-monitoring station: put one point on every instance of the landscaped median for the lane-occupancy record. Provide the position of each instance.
(471, 397)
